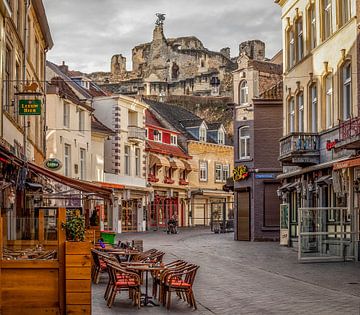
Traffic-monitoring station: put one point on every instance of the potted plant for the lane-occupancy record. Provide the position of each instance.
(77, 265)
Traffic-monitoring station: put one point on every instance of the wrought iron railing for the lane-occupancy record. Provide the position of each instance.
(299, 143)
(349, 128)
(135, 132)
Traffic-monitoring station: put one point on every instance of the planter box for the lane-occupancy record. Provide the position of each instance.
(78, 277)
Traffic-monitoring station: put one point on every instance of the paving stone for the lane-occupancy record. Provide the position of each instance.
(246, 278)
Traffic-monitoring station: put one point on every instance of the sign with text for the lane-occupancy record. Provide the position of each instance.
(29, 107)
(265, 176)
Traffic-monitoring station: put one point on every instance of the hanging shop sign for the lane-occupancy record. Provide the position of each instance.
(331, 144)
(29, 107)
(53, 164)
(241, 172)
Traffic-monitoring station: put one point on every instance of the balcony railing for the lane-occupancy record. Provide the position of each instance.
(349, 129)
(300, 148)
(183, 182)
(136, 133)
(168, 180)
(152, 178)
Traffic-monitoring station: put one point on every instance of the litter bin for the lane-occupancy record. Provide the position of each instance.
(108, 236)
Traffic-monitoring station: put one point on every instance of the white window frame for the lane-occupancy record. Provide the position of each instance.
(314, 107)
(221, 137)
(346, 91)
(291, 111)
(202, 133)
(66, 115)
(243, 93)
(137, 162)
(203, 171)
(173, 139)
(82, 161)
(158, 136)
(244, 139)
(300, 107)
(226, 172)
(67, 160)
(218, 172)
(127, 159)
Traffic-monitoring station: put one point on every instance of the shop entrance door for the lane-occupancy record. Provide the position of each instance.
(161, 210)
(129, 216)
(243, 216)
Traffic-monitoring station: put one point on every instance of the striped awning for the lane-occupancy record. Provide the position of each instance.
(176, 163)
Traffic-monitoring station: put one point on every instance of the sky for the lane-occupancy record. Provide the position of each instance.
(87, 33)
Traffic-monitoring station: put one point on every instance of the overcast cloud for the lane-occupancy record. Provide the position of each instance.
(87, 33)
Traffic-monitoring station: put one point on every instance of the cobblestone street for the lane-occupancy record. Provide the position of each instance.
(247, 278)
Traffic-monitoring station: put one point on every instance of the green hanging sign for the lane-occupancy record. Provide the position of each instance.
(29, 107)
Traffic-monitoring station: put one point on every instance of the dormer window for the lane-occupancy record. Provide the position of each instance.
(221, 137)
(202, 134)
(173, 140)
(157, 136)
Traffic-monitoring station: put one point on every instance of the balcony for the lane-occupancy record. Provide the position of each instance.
(136, 134)
(300, 149)
(349, 134)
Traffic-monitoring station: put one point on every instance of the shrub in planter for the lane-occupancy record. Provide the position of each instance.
(74, 227)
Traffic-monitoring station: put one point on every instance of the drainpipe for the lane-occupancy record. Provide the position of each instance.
(26, 31)
(44, 104)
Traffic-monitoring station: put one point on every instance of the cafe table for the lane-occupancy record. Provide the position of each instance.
(146, 267)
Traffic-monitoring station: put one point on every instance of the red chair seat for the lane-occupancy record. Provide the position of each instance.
(125, 283)
(179, 283)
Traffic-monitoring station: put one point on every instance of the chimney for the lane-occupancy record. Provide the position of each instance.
(64, 68)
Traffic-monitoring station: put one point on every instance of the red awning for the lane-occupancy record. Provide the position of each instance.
(73, 183)
(110, 185)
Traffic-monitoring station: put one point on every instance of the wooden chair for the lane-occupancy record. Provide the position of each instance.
(181, 283)
(98, 265)
(121, 279)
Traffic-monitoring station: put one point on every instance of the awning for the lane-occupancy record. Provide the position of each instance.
(312, 168)
(293, 186)
(73, 183)
(110, 185)
(158, 160)
(347, 163)
(324, 180)
(176, 163)
(189, 165)
(285, 186)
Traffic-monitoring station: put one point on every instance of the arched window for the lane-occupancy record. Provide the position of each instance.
(313, 107)
(202, 134)
(328, 100)
(221, 137)
(291, 114)
(244, 143)
(300, 108)
(244, 93)
(346, 90)
(312, 26)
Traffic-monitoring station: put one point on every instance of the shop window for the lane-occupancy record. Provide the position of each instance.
(346, 91)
